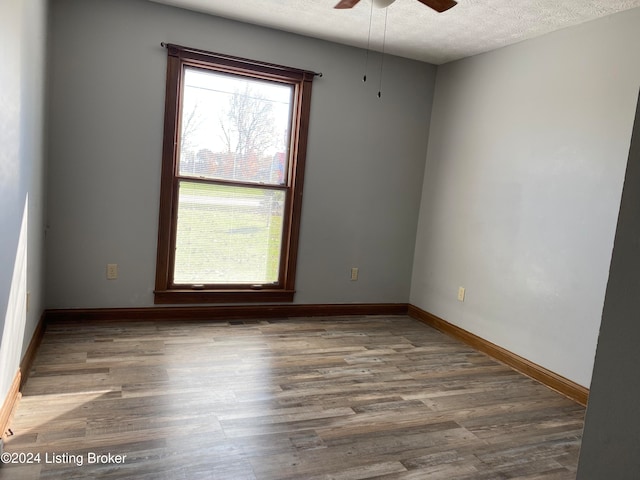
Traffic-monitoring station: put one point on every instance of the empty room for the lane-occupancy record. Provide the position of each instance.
(319, 239)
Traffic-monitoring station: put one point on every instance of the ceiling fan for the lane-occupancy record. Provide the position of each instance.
(437, 5)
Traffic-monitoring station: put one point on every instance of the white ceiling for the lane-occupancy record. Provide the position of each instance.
(413, 30)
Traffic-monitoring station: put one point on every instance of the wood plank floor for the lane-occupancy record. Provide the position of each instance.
(323, 398)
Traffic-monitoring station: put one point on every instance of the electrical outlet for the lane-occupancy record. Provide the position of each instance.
(461, 294)
(112, 271)
(354, 273)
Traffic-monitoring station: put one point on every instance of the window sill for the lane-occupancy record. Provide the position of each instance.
(222, 296)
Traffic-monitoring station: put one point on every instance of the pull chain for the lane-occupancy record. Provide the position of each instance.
(384, 39)
(366, 58)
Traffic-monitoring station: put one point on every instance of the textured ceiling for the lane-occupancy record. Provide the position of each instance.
(413, 30)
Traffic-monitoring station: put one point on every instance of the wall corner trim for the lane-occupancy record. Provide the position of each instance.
(556, 382)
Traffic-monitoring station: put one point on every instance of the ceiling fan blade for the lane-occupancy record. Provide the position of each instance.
(346, 3)
(439, 5)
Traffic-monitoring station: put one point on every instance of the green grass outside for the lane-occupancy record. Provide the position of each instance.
(220, 240)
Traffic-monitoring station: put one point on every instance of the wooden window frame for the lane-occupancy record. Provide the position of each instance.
(283, 291)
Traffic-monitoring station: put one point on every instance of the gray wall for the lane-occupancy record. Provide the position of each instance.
(526, 158)
(22, 53)
(365, 158)
(611, 433)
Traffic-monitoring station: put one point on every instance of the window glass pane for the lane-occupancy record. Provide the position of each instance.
(234, 128)
(228, 234)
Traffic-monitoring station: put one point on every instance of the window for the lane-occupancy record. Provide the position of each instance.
(232, 173)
